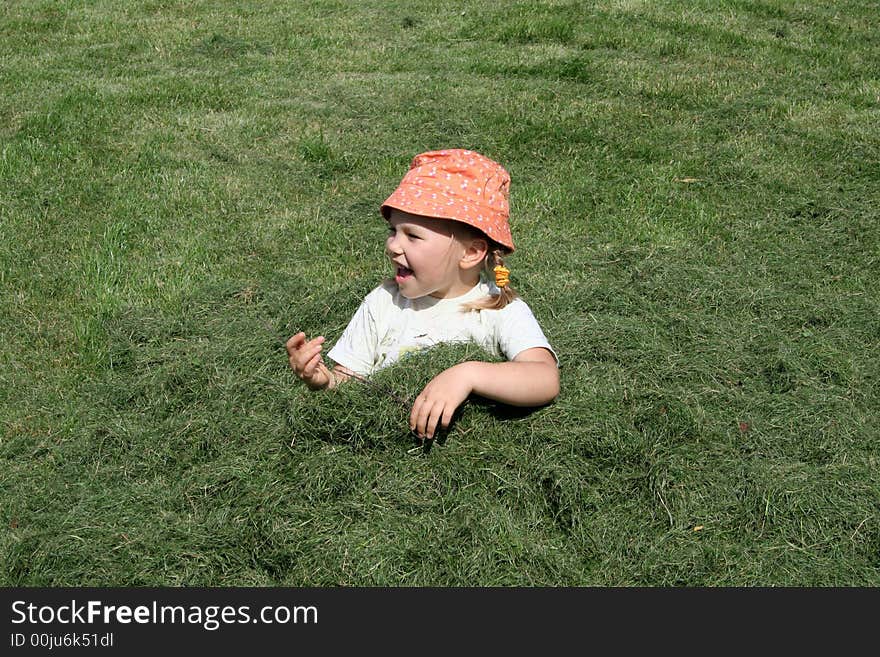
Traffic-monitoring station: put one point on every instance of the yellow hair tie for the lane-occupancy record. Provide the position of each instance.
(502, 276)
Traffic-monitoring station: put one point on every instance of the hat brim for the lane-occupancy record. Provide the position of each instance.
(437, 204)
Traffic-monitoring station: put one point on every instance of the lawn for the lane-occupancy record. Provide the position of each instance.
(695, 193)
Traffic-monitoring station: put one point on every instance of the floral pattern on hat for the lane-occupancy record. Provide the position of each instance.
(460, 185)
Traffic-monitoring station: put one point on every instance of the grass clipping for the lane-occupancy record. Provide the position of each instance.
(375, 411)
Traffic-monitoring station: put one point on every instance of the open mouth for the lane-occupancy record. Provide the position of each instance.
(402, 274)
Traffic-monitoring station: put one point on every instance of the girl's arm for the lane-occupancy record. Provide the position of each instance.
(530, 379)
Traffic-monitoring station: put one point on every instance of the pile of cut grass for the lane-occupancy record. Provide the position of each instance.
(694, 204)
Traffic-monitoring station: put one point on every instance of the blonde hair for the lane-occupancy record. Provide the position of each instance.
(494, 258)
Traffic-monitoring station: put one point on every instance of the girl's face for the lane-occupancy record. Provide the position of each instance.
(426, 254)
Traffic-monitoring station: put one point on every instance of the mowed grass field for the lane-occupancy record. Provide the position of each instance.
(184, 185)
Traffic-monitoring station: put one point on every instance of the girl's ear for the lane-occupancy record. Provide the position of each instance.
(475, 251)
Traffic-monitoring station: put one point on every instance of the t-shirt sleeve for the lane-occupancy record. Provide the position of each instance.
(518, 329)
(357, 347)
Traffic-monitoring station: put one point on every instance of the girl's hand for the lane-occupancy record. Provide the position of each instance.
(438, 401)
(305, 359)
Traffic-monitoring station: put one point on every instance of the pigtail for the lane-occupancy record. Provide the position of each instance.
(494, 267)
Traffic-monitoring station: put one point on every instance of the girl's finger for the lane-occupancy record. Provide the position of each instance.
(300, 360)
(425, 419)
(419, 416)
(441, 417)
(436, 413)
(414, 413)
(311, 365)
(308, 352)
(295, 341)
(316, 341)
(447, 416)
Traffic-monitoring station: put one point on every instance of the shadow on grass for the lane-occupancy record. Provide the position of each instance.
(472, 408)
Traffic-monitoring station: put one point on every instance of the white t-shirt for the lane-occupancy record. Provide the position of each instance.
(387, 325)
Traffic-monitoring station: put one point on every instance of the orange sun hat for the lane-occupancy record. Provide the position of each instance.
(459, 185)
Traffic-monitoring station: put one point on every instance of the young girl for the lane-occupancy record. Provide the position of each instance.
(447, 223)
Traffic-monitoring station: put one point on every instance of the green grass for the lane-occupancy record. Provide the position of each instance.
(695, 204)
